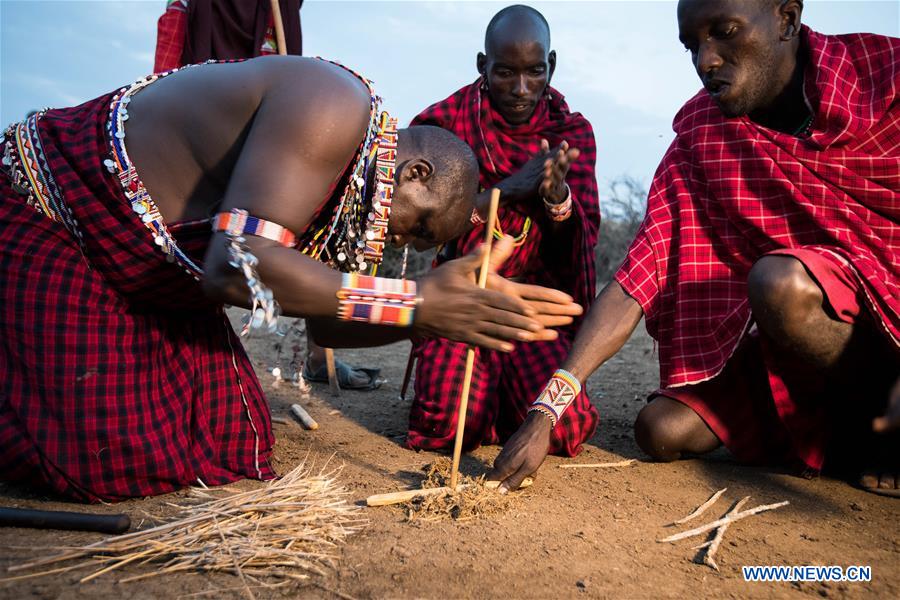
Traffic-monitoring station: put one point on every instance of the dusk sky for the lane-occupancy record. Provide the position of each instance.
(619, 62)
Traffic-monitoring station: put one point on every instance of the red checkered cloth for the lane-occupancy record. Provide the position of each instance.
(729, 191)
(118, 377)
(192, 31)
(171, 30)
(504, 386)
(503, 389)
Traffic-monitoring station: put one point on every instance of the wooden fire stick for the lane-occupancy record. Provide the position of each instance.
(279, 28)
(470, 354)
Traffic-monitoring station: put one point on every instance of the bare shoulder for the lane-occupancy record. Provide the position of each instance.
(316, 100)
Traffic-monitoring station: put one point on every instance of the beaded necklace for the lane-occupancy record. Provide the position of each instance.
(141, 202)
(805, 128)
(352, 237)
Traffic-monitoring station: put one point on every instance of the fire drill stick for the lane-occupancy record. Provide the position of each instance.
(470, 354)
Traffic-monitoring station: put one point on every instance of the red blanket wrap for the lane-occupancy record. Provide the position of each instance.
(730, 191)
(513, 381)
(118, 377)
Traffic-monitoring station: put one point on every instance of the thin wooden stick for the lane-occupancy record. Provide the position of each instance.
(723, 521)
(410, 363)
(700, 509)
(709, 556)
(333, 382)
(307, 421)
(609, 465)
(407, 495)
(470, 354)
(279, 28)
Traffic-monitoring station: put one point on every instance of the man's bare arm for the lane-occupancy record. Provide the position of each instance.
(607, 327)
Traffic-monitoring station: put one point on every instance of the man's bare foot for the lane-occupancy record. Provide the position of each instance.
(885, 480)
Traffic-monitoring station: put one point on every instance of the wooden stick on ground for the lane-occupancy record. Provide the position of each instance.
(407, 495)
(701, 509)
(279, 28)
(723, 521)
(709, 556)
(470, 354)
(609, 465)
(307, 421)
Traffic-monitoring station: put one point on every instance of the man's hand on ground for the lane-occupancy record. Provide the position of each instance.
(891, 419)
(523, 454)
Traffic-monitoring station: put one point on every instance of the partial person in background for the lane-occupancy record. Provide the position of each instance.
(194, 31)
(511, 117)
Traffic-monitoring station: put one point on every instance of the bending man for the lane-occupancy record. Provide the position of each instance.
(119, 374)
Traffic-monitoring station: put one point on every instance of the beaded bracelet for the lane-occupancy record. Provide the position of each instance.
(240, 222)
(563, 210)
(377, 300)
(236, 224)
(559, 393)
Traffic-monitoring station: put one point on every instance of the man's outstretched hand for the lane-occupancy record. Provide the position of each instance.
(455, 308)
(556, 167)
(552, 308)
(523, 454)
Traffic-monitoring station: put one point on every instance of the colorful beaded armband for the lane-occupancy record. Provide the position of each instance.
(377, 300)
(560, 392)
(240, 222)
(563, 210)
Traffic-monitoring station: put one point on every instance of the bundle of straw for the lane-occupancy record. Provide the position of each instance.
(286, 529)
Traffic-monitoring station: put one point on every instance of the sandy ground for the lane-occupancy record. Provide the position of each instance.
(575, 533)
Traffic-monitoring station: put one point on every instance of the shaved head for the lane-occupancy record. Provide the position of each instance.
(437, 176)
(519, 21)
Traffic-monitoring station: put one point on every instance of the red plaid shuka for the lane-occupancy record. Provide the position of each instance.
(729, 191)
(118, 377)
(505, 385)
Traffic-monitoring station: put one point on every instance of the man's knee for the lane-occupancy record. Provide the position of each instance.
(781, 293)
(655, 430)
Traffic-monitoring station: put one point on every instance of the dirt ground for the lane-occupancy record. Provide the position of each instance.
(575, 533)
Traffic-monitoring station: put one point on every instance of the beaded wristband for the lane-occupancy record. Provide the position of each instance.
(561, 211)
(377, 300)
(240, 222)
(560, 392)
